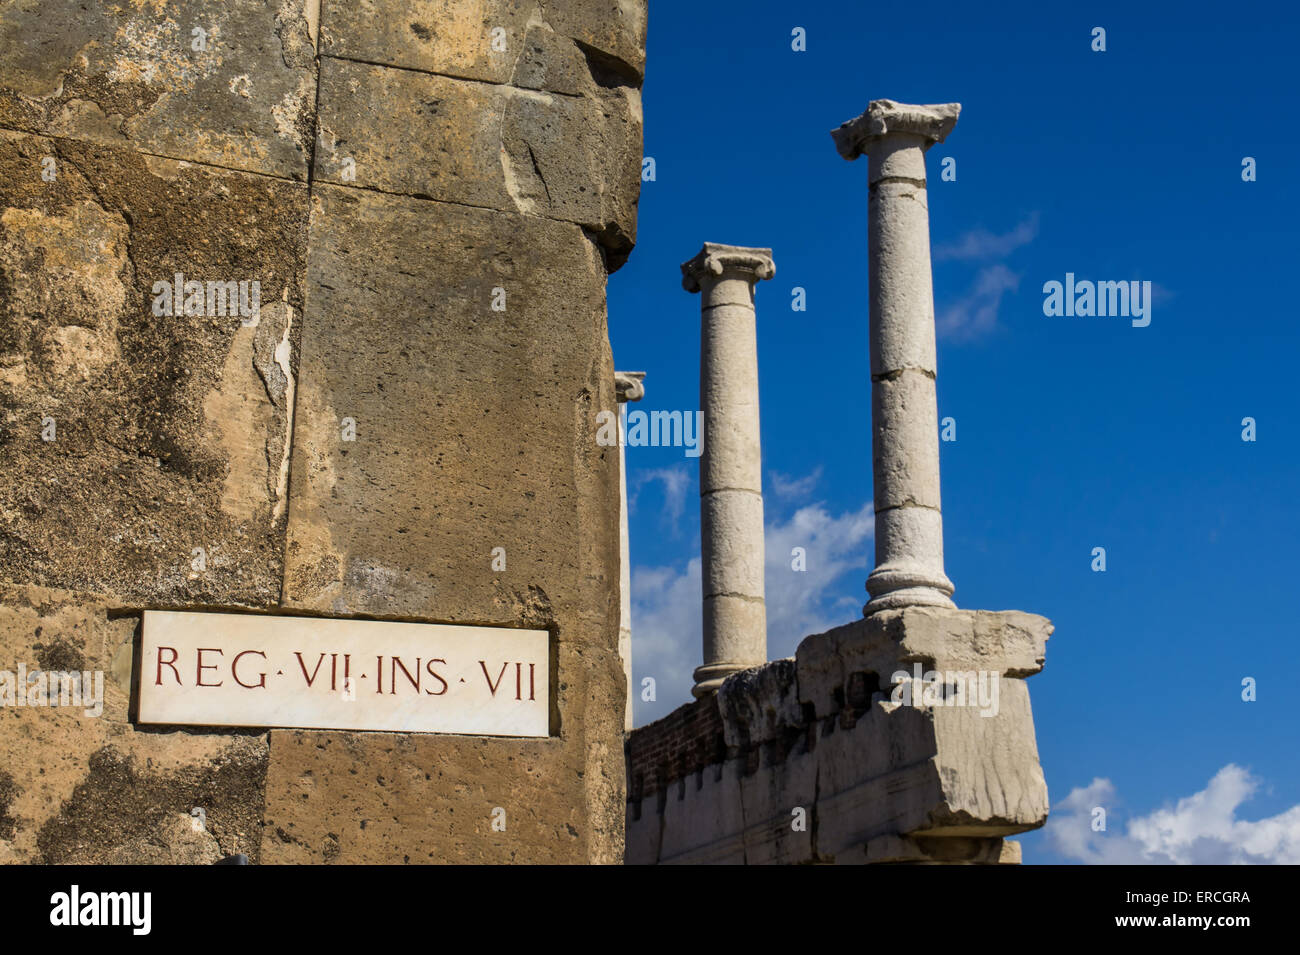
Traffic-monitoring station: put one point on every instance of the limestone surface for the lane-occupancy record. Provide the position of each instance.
(382, 523)
(548, 44)
(904, 415)
(573, 158)
(86, 789)
(885, 118)
(875, 778)
(365, 798)
(224, 82)
(144, 455)
(731, 494)
(406, 430)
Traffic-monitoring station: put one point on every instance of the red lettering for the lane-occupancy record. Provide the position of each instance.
(501, 676)
(157, 681)
(414, 681)
(429, 669)
(303, 666)
(198, 678)
(234, 671)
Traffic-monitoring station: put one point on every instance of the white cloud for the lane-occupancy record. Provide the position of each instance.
(676, 481)
(784, 486)
(982, 245)
(666, 601)
(800, 603)
(1201, 829)
(666, 635)
(976, 313)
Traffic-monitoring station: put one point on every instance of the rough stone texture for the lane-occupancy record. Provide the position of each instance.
(171, 433)
(878, 781)
(127, 74)
(403, 520)
(611, 32)
(361, 539)
(1010, 641)
(102, 791)
(574, 158)
(731, 472)
(902, 297)
(905, 449)
(901, 850)
(359, 798)
(550, 45)
(475, 427)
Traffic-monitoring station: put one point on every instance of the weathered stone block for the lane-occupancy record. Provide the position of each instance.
(451, 37)
(447, 464)
(616, 28)
(993, 783)
(498, 41)
(780, 807)
(1010, 642)
(359, 798)
(703, 819)
(129, 439)
(876, 780)
(99, 791)
(760, 704)
(542, 154)
(904, 850)
(239, 94)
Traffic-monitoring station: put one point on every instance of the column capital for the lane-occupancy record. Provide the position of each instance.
(629, 385)
(714, 260)
(884, 117)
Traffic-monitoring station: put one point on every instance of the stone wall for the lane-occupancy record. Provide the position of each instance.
(812, 760)
(388, 171)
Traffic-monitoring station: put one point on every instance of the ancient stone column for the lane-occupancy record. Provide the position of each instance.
(904, 414)
(731, 488)
(629, 386)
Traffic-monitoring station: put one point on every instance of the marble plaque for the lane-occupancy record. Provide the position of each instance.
(224, 669)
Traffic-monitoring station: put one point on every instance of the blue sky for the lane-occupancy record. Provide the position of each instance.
(1072, 433)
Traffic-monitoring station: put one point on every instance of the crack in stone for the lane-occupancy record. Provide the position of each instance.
(538, 170)
(910, 502)
(741, 490)
(919, 183)
(898, 373)
(450, 76)
(727, 593)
